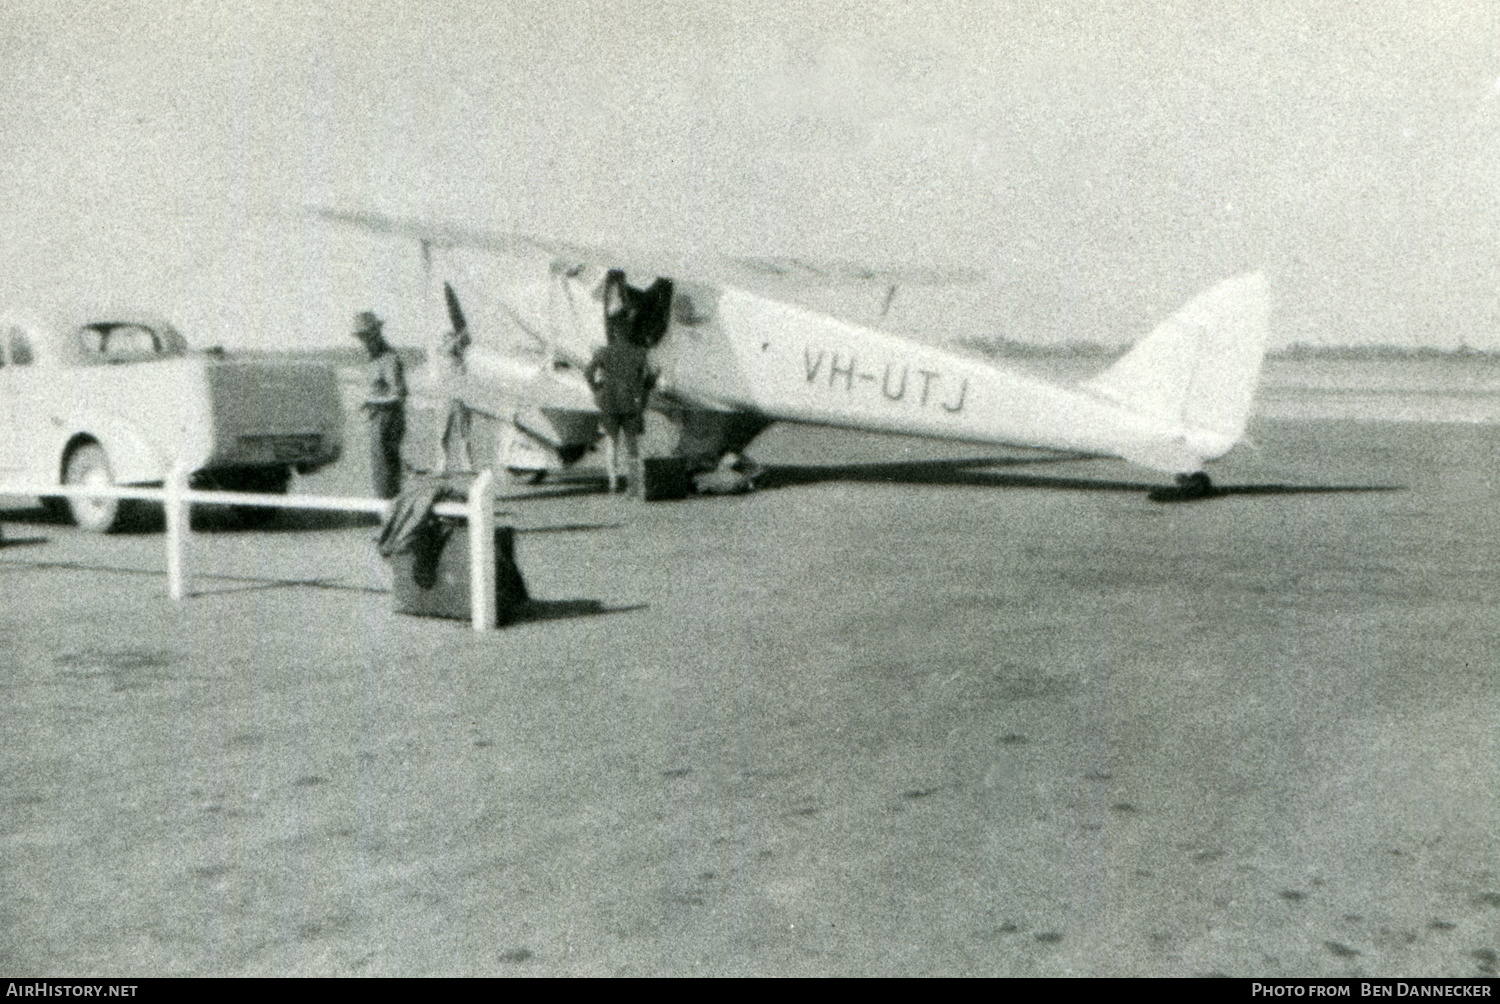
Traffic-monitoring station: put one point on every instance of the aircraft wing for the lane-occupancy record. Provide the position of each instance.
(438, 234)
(764, 273)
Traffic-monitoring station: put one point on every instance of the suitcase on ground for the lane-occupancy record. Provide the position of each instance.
(665, 478)
(432, 578)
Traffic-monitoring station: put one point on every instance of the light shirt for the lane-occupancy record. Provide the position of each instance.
(387, 380)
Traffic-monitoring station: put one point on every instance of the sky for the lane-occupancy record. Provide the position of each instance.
(1098, 162)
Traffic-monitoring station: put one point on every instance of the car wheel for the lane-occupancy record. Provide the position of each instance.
(89, 465)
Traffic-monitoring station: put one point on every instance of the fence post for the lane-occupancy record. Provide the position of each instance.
(482, 551)
(177, 527)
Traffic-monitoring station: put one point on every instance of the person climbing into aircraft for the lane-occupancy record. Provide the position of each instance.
(620, 372)
(384, 404)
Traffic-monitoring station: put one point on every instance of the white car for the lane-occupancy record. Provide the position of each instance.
(119, 400)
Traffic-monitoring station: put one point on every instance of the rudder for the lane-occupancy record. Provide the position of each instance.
(1200, 367)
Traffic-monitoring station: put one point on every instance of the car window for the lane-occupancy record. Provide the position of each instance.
(20, 347)
(118, 342)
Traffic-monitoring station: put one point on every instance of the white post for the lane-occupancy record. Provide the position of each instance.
(177, 527)
(482, 551)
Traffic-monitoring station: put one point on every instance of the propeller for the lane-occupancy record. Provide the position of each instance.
(455, 312)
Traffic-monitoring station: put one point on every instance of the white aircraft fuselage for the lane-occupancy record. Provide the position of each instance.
(1178, 399)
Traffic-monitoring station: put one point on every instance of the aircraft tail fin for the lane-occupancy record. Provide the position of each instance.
(1200, 367)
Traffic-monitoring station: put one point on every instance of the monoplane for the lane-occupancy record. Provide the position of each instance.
(734, 359)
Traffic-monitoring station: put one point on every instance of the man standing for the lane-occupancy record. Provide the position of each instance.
(620, 373)
(385, 405)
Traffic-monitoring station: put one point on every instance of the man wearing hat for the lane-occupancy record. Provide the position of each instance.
(385, 404)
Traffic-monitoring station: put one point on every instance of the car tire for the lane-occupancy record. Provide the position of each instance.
(89, 465)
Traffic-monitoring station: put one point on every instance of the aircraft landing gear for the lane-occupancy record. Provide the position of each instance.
(735, 474)
(748, 466)
(1189, 487)
(1195, 485)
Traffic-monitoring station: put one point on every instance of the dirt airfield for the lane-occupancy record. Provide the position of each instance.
(913, 709)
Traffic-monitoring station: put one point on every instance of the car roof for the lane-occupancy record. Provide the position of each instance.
(58, 328)
(74, 320)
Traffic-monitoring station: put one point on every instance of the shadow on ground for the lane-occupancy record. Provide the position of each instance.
(979, 472)
(554, 610)
(524, 613)
(1186, 494)
(298, 520)
(974, 472)
(210, 519)
(238, 583)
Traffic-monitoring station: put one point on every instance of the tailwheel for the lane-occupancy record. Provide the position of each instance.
(1195, 485)
(1189, 487)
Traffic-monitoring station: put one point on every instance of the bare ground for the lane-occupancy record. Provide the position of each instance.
(900, 713)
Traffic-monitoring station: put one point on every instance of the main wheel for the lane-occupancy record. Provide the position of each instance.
(88, 465)
(525, 475)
